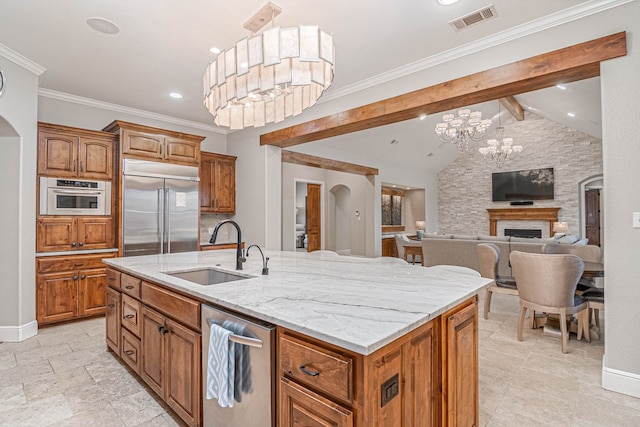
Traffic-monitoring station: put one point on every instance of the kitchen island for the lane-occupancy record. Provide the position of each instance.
(394, 344)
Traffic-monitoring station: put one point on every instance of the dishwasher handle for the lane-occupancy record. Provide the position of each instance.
(239, 339)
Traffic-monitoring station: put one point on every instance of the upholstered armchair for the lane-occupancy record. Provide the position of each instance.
(547, 283)
(489, 258)
(403, 240)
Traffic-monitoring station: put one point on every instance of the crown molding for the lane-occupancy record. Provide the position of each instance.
(21, 60)
(532, 27)
(62, 96)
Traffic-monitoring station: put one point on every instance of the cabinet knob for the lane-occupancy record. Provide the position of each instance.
(111, 305)
(81, 244)
(129, 352)
(83, 277)
(73, 245)
(129, 316)
(75, 277)
(162, 330)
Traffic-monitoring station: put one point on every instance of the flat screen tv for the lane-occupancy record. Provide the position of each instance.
(532, 184)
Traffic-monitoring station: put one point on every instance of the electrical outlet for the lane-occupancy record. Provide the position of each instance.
(636, 220)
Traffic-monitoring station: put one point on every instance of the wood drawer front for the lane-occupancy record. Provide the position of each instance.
(130, 285)
(57, 264)
(113, 278)
(180, 308)
(131, 314)
(131, 350)
(334, 371)
(298, 406)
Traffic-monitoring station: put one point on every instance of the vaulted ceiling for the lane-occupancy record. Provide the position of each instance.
(163, 46)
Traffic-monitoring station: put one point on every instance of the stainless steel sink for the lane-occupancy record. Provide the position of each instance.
(207, 276)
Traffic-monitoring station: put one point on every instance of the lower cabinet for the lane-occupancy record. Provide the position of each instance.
(426, 378)
(301, 407)
(70, 287)
(389, 247)
(162, 350)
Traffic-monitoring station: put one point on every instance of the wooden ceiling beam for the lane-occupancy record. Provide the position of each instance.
(566, 65)
(323, 163)
(513, 107)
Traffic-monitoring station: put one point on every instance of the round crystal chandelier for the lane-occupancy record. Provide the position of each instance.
(461, 128)
(270, 76)
(500, 149)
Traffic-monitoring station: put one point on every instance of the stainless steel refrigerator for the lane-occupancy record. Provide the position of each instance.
(159, 208)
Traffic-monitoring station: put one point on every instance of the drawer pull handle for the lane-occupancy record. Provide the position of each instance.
(129, 352)
(79, 264)
(128, 287)
(129, 316)
(163, 330)
(112, 279)
(306, 371)
(111, 305)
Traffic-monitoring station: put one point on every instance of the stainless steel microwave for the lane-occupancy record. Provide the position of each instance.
(60, 196)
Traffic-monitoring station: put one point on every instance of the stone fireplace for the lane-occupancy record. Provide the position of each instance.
(522, 218)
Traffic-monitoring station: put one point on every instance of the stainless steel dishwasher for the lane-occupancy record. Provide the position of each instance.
(254, 405)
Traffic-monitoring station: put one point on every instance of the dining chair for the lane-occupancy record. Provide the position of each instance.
(547, 283)
(489, 258)
(587, 253)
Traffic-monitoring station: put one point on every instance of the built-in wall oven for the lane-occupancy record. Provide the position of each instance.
(61, 196)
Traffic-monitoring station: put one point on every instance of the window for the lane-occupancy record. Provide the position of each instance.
(392, 206)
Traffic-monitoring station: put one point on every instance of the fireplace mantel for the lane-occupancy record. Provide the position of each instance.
(528, 214)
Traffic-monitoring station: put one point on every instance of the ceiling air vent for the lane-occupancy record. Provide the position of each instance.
(480, 15)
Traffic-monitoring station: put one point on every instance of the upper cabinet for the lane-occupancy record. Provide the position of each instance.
(217, 183)
(71, 152)
(148, 143)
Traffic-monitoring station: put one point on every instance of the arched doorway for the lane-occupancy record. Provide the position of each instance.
(340, 219)
(591, 209)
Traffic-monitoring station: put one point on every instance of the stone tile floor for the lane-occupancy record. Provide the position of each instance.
(65, 377)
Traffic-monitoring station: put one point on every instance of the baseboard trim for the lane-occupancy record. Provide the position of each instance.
(18, 333)
(620, 381)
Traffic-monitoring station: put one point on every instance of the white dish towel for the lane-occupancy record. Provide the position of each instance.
(220, 366)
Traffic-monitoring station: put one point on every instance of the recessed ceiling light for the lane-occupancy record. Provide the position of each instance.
(408, 188)
(422, 116)
(176, 95)
(102, 25)
(561, 87)
(215, 50)
(571, 114)
(447, 2)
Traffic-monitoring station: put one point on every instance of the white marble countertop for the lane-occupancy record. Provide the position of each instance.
(360, 304)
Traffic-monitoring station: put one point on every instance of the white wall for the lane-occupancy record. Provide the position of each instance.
(68, 113)
(361, 231)
(18, 137)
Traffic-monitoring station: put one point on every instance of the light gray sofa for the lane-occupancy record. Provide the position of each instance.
(456, 249)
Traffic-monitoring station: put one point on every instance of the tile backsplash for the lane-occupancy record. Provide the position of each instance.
(226, 234)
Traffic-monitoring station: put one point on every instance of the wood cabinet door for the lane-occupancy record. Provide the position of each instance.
(299, 407)
(182, 151)
(183, 386)
(153, 353)
(92, 287)
(592, 216)
(225, 185)
(56, 297)
(389, 248)
(142, 145)
(422, 379)
(112, 316)
(95, 233)
(207, 182)
(57, 154)
(95, 159)
(460, 360)
(56, 234)
(313, 218)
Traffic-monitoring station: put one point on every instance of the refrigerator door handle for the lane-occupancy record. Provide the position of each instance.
(160, 214)
(168, 213)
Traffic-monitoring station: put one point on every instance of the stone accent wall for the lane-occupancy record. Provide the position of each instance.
(464, 186)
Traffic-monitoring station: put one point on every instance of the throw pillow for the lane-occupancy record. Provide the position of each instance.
(569, 238)
(582, 242)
